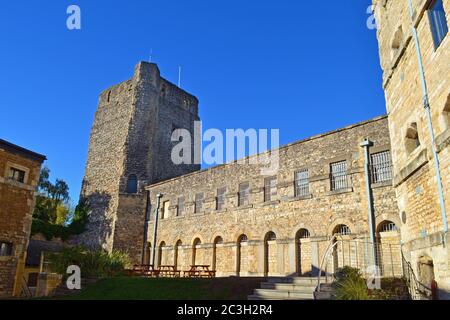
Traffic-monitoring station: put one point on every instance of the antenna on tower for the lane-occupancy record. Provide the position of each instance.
(151, 54)
(179, 76)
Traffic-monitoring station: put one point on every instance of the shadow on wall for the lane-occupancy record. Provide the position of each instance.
(99, 229)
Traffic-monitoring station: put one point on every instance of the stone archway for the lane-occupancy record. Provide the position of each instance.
(177, 262)
(217, 264)
(161, 254)
(388, 249)
(148, 253)
(270, 254)
(303, 252)
(196, 252)
(241, 255)
(338, 250)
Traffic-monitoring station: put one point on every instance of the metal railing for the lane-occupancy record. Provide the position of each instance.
(417, 290)
(358, 253)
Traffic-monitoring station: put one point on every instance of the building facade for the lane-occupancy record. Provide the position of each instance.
(19, 176)
(241, 222)
(424, 229)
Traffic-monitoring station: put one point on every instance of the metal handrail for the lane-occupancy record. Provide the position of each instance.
(417, 289)
(25, 289)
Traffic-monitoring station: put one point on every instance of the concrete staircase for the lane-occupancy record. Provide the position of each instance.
(294, 288)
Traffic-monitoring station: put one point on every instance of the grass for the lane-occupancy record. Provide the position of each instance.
(136, 288)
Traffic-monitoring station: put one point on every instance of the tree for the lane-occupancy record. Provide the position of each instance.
(52, 199)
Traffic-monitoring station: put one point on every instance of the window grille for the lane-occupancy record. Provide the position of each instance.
(198, 202)
(381, 167)
(302, 183)
(220, 200)
(338, 175)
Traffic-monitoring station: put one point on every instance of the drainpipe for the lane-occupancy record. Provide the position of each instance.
(147, 220)
(155, 230)
(426, 103)
(366, 144)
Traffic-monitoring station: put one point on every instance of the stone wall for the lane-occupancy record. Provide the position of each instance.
(320, 212)
(16, 209)
(415, 177)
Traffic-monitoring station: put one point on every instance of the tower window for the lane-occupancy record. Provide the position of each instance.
(438, 22)
(412, 138)
(132, 184)
(165, 210)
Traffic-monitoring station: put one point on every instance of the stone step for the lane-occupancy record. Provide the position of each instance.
(278, 294)
(257, 297)
(289, 287)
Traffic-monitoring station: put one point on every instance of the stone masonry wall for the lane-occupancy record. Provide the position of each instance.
(16, 208)
(415, 178)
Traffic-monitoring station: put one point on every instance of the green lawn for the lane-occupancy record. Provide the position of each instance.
(136, 288)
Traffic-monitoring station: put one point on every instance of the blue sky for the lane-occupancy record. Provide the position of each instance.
(301, 68)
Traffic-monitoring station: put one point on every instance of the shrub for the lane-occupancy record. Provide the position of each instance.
(350, 285)
(93, 264)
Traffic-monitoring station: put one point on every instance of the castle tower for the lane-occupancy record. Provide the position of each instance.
(426, 241)
(130, 147)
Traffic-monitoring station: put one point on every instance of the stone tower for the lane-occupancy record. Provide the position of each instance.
(426, 242)
(129, 148)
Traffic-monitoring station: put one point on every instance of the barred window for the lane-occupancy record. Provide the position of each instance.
(438, 22)
(6, 249)
(381, 167)
(270, 189)
(17, 175)
(220, 200)
(180, 207)
(244, 194)
(387, 226)
(303, 234)
(342, 230)
(198, 202)
(302, 183)
(338, 175)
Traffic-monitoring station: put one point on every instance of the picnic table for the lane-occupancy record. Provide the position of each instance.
(169, 271)
(144, 269)
(199, 271)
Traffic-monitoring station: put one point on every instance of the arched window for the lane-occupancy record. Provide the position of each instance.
(342, 230)
(218, 240)
(271, 236)
(243, 238)
(303, 234)
(197, 242)
(132, 184)
(387, 226)
(412, 141)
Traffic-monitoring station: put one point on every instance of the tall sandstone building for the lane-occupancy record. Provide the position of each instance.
(129, 148)
(425, 239)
